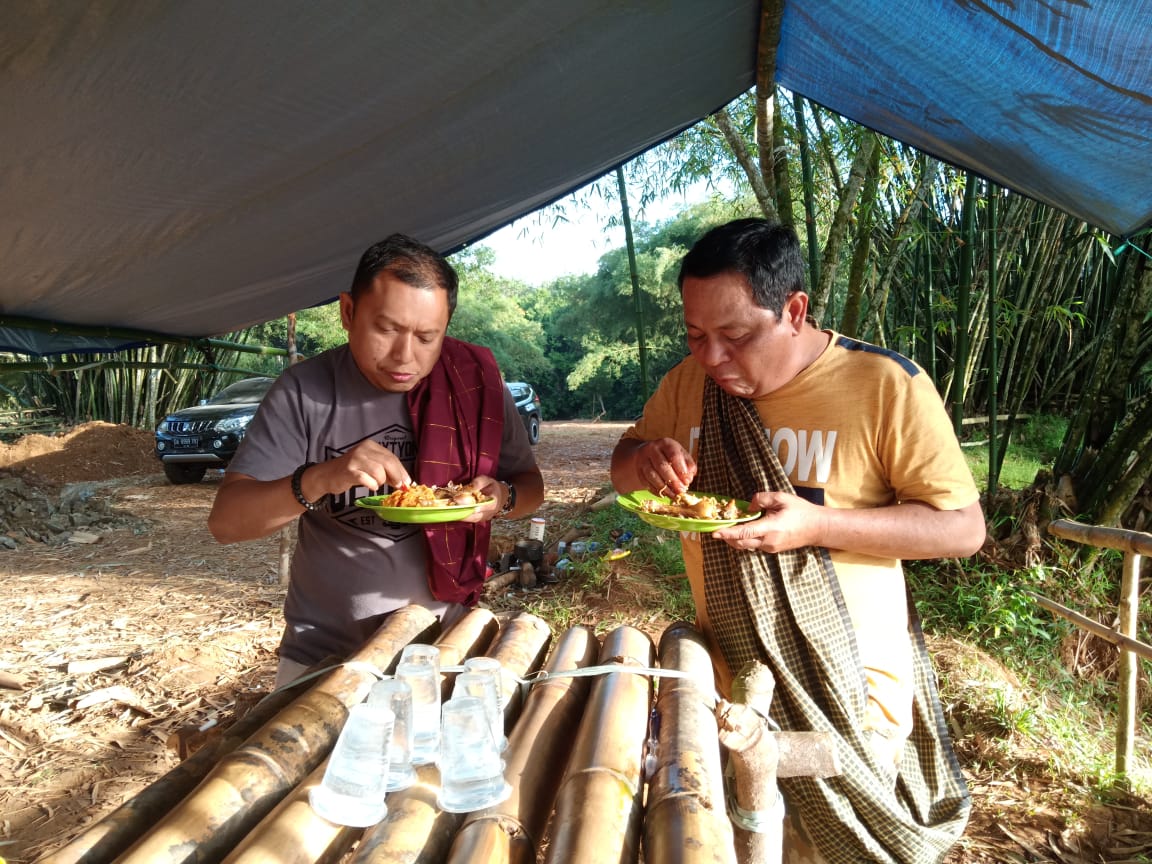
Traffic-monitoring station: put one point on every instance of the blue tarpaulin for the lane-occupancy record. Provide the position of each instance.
(193, 168)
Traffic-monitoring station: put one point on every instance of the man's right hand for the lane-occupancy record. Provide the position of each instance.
(662, 466)
(368, 464)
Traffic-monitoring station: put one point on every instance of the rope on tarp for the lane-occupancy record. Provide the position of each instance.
(1128, 244)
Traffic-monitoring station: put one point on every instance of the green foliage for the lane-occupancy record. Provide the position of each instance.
(1032, 448)
(490, 311)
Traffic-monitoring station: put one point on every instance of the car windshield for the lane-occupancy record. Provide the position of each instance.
(242, 392)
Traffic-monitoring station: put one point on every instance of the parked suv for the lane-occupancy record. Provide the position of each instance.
(192, 440)
(528, 404)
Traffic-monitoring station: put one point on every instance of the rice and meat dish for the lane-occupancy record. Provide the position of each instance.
(417, 495)
(689, 506)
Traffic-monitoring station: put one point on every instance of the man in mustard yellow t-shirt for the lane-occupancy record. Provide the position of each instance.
(860, 432)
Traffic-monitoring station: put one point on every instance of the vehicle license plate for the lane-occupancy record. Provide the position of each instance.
(185, 441)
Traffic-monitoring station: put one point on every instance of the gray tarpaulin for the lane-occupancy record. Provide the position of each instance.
(194, 167)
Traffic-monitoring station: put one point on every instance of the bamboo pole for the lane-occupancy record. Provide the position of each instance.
(538, 748)
(521, 648)
(106, 839)
(415, 831)
(247, 784)
(1121, 539)
(1107, 633)
(754, 759)
(685, 818)
(1129, 667)
(469, 636)
(292, 832)
(598, 808)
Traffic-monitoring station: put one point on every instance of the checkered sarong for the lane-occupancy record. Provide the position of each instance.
(785, 610)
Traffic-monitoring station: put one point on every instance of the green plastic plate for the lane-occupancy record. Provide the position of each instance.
(633, 500)
(415, 515)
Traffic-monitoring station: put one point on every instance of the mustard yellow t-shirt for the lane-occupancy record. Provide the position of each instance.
(861, 427)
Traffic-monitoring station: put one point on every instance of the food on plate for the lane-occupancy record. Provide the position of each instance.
(418, 495)
(689, 506)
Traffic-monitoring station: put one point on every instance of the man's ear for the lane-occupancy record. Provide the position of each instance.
(796, 310)
(347, 304)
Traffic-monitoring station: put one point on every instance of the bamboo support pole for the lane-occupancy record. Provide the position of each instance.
(685, 818)
(521, 649)
(415, 831)
(754, 758)
(469, 636)
(598, 808)
(1121, 539)
(1095, 627)
(293, 833)
(103, 841)
(1126, 678)
(248, 783)
(538, 749)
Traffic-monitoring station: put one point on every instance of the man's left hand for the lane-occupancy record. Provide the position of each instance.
(786, 522)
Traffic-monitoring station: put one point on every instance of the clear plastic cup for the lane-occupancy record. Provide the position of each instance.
(356, 777)
(420, 651)
(484, 686)
(397, 695)
(423, 678)
(471, 770)
(505, 681)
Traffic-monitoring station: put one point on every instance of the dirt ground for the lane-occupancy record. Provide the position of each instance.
(129, 634)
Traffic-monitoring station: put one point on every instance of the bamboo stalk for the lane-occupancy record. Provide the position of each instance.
(1082, 621)
(1121, 539)
(247, 784)
(292, 832)
(685, 818)
(415, 831)
(106, 839)
(754, 757)
(598, 807)
(538, 747)
(469, 636)
(521, 648)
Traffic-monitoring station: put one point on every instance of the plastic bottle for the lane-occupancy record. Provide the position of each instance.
(536, 528)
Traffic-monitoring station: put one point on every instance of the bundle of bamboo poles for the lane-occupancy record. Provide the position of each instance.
(575, 761)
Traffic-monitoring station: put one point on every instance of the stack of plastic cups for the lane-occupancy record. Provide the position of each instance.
(397, 695)
(356, 777)
(419, 667)
(471, 770)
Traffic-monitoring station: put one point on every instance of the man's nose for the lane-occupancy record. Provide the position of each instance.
(402, 347)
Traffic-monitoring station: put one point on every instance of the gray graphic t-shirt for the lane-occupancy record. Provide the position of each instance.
(349, 568)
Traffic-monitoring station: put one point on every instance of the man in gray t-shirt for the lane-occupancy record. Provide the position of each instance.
(400, 403)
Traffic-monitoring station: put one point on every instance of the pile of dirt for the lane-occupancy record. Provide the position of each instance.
(89, 452)
(50, 484)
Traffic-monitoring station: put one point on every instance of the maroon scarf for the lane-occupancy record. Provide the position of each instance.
(458, 420)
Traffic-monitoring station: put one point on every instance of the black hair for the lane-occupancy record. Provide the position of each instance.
(765, 253)
(409, 261)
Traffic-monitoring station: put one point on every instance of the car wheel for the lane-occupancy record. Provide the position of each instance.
(180, 473)
(533, 429)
